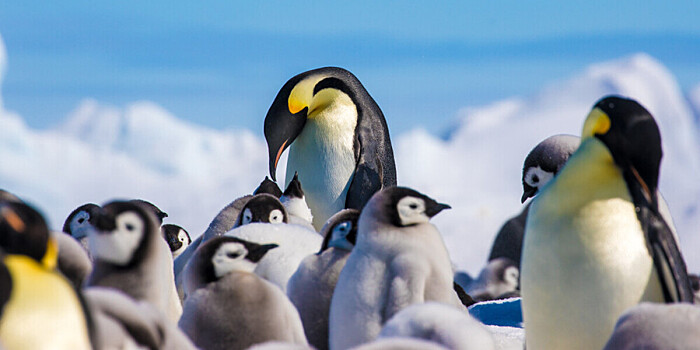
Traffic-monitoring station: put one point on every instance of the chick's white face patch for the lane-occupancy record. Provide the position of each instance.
(247, 217)
(339, 236)
(276, 216)
(231, 257)
(118, 246)
(79, 224)
(536, 177)
(182, 236)
(411, 211)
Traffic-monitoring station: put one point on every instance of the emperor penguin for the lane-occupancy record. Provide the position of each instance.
(229, 306)
(268, 186)
(338, 140)
(263, 208)
(131, 256)
(42, 309)
(541, 165)
(311, 287)
(399, 259)
(159, 214)
(595, 243)
(178, 239)
(77, 223)
(294, 201)
(498, 280)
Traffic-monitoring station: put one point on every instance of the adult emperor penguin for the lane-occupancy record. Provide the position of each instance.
(178, 239)
(229, 307)
(399, 259)
(311, 287)
(595, 243)
(131, 256)
(42, 310)
(338, 139)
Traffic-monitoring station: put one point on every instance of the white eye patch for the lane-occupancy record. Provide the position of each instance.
(118, 247)
(79, 223)
(231, 257)
(182, 236)
(536, 177)
(339, 236)
(247, 217)
(276, 216)
(411, 211)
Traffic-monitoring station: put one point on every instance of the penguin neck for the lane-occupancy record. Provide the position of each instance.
(323, 155)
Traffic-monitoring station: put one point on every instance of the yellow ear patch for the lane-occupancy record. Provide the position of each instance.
(13, 219)
(303, 92)
(597, 123)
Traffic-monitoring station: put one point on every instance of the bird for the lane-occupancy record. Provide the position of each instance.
(264, 208)
(159, 214)
(229, 306)
(399, 259)
(131, 255)
(446, 325)
(268, 186)
(595, 243)
(32, 290)
(337, 137)
(73, 260)
(499, 279)
(77, 223)
(294, 201)
(653, 326)
(311, 287)
(541, 165)
(178, 239)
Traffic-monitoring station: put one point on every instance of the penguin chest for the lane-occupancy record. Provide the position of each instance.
(581, 271)
(323, 156)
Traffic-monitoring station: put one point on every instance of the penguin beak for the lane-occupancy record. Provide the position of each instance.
(102, 221)
(281, 128)
(433, 208)
(528, 192)
(257, 251)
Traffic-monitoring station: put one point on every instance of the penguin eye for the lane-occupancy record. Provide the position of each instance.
(276, 216)
(233, 255)
(247, 216)
(413, 206)
(81, 220)
(129, 227)
(535, 179)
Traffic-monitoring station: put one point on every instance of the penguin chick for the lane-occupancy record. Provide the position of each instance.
(295, 203)
(399, 259)
(400, 343)
(268, 186)
(653, 326)
(440, 323)
(500, 277)
(131, 256)
(77, 223)
(178, 239)
(73, 259)
(9, 197)
(264, 208)
(232, 308)
(311, 287)
(32, 291)
(595, 242)
(159, 214)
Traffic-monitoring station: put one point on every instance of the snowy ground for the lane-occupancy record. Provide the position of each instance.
(103, 152)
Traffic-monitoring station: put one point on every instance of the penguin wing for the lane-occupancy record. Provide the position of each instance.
(668, 260)
(374, 158)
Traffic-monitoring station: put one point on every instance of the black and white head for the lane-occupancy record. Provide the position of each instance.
(178, 239)
(159, 214)
(545, 160)
(268, 186)
(122, 232)
(294, 201)
(402, 206)
(222, 255)
(7, 196)
(263, 208)
(24, 231)
(499, 277)
(77, 224)
(340, 231)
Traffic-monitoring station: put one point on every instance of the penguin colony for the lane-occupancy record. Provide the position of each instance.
(350, 260)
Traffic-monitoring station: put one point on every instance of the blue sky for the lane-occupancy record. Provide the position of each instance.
(220, 63)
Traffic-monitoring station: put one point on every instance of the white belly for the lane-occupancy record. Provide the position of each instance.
(324, 158)
(580, 273)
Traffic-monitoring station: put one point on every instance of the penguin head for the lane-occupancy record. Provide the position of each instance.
(122, 232)
(268, 186)
(159, 214)
(294, 201)
(23, 231)
(222, 255)
(632, 137)
(545, 160)
(340, 231)
(306, 96)
(7, 196)
(176, 236)
(78, 222)
(264, 208)
(402, 206)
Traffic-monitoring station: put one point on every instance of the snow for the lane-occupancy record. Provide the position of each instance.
(142, 151)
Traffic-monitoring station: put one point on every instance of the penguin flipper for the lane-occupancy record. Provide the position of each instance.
(668, 260)
(371, 175)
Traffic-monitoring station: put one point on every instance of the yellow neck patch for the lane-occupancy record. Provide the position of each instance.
(597, 123)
